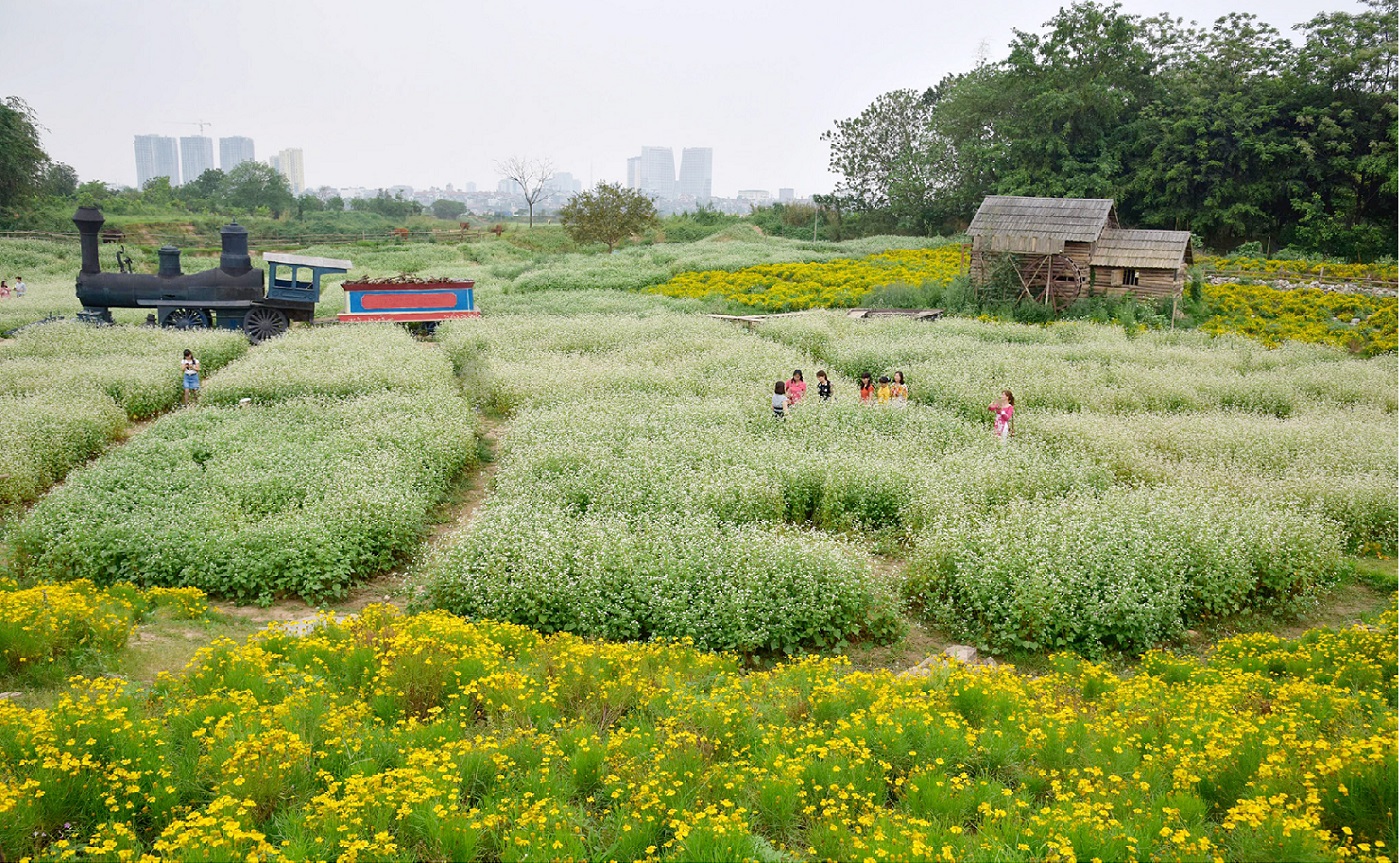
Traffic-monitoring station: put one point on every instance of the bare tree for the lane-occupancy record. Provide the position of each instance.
(531, 175)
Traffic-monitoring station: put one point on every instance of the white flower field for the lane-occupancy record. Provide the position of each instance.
(1156, 481)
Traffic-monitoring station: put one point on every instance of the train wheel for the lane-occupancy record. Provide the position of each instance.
(262, 323)
(186, 319)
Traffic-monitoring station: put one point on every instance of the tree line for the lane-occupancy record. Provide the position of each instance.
(1233, 132)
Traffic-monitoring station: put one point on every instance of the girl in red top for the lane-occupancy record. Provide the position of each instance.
(796, 387)
(866, 388)
(1003, 409)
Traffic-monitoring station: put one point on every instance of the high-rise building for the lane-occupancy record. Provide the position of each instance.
(156, 156)
(634, 172)
(656, 172)
(234, 152)
(786, 196)
(563, 183)
(697, 173)
(289, 164)
(196, 157)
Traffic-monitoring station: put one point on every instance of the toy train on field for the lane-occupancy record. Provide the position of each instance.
(232, 296)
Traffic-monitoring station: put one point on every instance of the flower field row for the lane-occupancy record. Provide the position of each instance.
(1329, 269)
(295, 493)
(67, 390)
(617, 512)
(428, 738)
(1357, 322)
(836, 283)
(51, 625)
(650, 437)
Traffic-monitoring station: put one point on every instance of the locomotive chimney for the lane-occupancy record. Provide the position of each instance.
(89, 221)
(235, 260)
(169, 261)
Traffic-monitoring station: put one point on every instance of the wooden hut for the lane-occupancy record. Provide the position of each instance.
(1144, 263)
(1063, 248)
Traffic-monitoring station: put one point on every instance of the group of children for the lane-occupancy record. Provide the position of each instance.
(18, 290)
(787, 393)
(889, 390)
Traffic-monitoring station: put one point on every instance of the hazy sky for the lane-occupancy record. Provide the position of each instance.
(430, 93)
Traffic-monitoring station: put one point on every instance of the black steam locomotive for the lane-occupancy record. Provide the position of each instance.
(229, 297)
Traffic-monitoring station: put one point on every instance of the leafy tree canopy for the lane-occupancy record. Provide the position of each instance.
(607, 213)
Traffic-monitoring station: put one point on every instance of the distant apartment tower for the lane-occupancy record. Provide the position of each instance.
(564, 183)
(196, 157)
(156, 156)
(234, 152)
(654, 172)
(786, 196)
(289, 164)
(697, 173)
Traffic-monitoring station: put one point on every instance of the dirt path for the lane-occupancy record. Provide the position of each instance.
(461, 507)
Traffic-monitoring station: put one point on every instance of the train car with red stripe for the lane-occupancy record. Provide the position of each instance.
(408, 300)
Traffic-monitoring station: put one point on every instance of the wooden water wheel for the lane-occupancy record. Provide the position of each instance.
(1052, 279)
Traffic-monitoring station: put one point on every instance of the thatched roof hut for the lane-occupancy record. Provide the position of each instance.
(1064, 247)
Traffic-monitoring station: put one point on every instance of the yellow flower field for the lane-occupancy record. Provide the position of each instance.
(1302, 269)
(43, 626)
(1273, 316)
(833, 284)
(425, 738)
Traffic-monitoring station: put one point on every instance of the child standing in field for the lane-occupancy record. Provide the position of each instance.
(4, 290)
(796, 387)
(885, 392)
(190, 366)
(823, 386)
(898, 390)
(1003, 410)
(866, 389)
(20, 287)
(779, 400)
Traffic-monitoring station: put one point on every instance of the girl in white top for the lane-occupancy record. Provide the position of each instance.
(190, 367)
(779, 400)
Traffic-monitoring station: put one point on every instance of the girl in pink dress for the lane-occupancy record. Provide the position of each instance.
(1003, 409)
(796, 387)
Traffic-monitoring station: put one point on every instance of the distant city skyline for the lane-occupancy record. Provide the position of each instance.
(594, 81)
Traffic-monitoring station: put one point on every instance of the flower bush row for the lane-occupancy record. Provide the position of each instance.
(52, 626)
(427, 738)
(658, 425)
(1360, 323)
(1300, 267)
(294, 493)
(829, 284)
(67, 390)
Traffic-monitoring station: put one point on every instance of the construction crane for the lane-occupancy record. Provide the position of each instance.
(200, 123)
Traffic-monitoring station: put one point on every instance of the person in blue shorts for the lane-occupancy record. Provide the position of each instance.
(190, 365)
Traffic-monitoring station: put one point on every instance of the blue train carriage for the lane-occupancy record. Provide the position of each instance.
(407, 300)
(293, 289)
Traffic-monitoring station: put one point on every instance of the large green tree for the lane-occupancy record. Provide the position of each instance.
(607, 213)
(251, 185)
(23, 162)
(891, 158)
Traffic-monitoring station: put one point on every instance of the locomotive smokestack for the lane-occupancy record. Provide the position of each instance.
(169, 261)
(235, 260)
(89, 221)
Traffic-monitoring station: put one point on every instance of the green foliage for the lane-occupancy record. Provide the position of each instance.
(607, 213)
(444, 209)
(327, 478)
(1233, 132)
(394, 207)
(23, 162)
